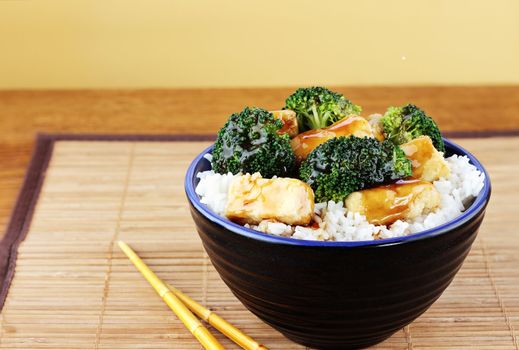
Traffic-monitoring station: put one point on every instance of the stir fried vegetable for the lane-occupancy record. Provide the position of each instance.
(402, 124)
(249, 142)
(318, 107)
(343, 165)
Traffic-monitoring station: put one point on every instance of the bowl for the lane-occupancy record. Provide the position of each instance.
(336, 295)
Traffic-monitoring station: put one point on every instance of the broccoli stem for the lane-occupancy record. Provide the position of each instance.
(316, 121)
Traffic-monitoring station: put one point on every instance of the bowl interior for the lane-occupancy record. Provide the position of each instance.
(200, 163)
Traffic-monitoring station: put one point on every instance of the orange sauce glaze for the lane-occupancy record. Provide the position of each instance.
(288, 126)
(307, 141)
(419, 151)
(289, 119)
(387, 204)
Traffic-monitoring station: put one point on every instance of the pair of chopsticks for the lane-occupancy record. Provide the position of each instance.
(184, 307)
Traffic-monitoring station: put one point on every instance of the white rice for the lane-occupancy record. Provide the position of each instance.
(336, 223)
(213, 190)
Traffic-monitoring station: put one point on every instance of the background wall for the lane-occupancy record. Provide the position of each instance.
(122, 43)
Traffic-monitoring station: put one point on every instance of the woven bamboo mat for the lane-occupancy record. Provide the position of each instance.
(73, 289)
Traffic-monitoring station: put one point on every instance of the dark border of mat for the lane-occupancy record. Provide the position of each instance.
(35, 176)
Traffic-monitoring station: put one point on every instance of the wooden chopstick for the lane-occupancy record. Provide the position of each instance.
(192, 323)
(233, 333)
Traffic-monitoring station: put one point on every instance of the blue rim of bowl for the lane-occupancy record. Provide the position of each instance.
(477, 205)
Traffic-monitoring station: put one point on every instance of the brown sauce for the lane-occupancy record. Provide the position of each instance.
(288, 126)
(419, 151)
(313, 225)
(387, 204)
(307, 141)
(289, 119)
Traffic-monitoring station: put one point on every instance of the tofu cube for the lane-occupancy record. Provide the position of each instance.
(428, 164)
(404, 200)
(253, 199)
(307, 141)
(376, 125)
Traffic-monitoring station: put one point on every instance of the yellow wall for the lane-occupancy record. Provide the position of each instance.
(163, 43)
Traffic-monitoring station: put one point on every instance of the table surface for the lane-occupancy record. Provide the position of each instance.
(202, 111)
(74, 289)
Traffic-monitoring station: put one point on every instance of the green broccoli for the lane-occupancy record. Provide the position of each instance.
(402, 124)
(249, 143)
(343, 165)
(318, 107)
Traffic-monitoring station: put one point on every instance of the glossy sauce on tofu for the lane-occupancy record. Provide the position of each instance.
(419, 151)
(386, 204)
(375, 120)
(428, 164)
(304, 143)
(253, 199)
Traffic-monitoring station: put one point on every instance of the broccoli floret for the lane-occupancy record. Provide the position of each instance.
(318, 107)
(343, 165)
(249, 143)
(402, 124)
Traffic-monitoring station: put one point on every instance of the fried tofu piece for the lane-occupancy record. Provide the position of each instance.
(307, 141)
(374, 121)
(253, 199)
(289, 119)
(404, 200)
(428, 164)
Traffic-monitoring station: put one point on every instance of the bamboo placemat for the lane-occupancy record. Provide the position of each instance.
(73, 289)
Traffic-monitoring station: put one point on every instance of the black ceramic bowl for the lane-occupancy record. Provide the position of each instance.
(336, 294)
